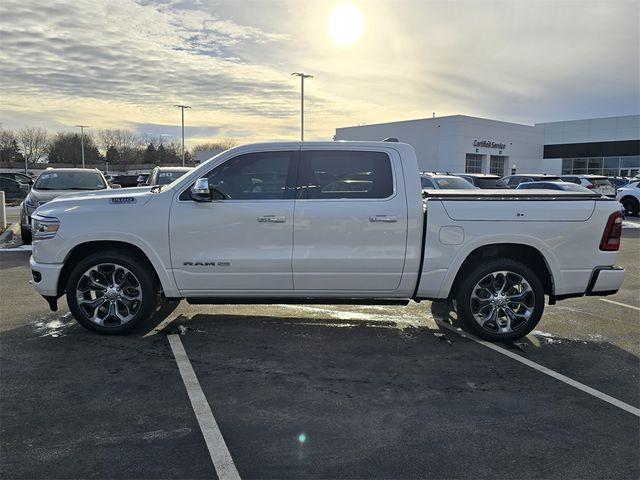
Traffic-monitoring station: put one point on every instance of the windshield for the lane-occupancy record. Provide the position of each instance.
(491, 183)
(453, 183)
(70, 181)
(165, 178)
(600, 182)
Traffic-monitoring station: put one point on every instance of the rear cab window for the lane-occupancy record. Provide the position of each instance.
(344, 174)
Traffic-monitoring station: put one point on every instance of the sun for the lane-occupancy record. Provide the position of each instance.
(346, 24)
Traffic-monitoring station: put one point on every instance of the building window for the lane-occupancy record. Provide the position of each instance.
(580, 166)
(595, 166)
(473, 163)
(496, 165)
(608, 166)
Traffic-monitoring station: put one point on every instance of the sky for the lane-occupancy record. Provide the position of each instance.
(125, 63)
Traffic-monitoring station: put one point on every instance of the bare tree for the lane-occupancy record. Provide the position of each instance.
(205, 150)
(34, 142)
(223, 144)
(124, 141)
(9, 150)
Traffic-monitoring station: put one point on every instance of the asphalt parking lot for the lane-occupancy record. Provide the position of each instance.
(321, 391)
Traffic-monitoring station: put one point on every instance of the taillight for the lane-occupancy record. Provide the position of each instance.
(612, 232)
(591, 186)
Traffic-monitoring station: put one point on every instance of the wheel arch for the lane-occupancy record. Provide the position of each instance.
(84, 249)
(527, 254)
(629, 197)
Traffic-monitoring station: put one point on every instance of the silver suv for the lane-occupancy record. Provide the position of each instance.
(52, 183)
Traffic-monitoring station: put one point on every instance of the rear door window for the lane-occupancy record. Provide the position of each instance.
(334, 174)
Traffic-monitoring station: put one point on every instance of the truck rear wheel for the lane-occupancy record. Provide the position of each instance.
(111, 292)
(500, 300)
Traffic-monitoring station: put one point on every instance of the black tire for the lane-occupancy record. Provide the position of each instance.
(26, 237)
(121, 284)
(475, 301)
(631, 206)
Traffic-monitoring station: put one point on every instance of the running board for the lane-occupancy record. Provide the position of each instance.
(293, 301)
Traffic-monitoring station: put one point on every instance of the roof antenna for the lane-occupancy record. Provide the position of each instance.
(391, 139)
(434, 114)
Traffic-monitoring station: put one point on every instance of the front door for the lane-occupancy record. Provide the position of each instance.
(350, 229)
(243, 239)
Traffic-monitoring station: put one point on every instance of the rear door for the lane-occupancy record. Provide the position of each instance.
(350, 222)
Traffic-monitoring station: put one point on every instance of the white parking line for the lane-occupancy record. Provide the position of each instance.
(547, 371)
(220, 456)
(620, 304)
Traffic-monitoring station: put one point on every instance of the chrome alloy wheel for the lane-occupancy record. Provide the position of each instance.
(109, 294)
(502, 302)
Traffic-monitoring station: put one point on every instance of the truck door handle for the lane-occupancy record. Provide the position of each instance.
(272, 219)
(384, 218)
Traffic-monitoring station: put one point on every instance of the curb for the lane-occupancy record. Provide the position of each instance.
(10, 232)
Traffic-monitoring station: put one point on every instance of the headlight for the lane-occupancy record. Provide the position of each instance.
(44, 227)
(29, 203)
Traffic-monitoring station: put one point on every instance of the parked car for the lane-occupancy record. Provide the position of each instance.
(52, 183)
(166, 175)
(597, 183)
(629, 197)
(301, 242)
(564, 186)
(443, 181)
(483, 180)
(126, 181)
(18, 177)
(619, 181)
(13, 190)
(513, 181)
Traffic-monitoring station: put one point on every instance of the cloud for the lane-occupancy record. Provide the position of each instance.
(119, 63)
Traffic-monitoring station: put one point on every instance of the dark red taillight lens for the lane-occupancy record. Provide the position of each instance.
(591, 186)
(612, 232)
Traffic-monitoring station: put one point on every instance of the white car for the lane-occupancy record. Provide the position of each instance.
(629, 197)
(322, 222)
(596, 183)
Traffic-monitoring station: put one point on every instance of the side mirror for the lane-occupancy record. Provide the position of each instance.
(116, 185)
(25, 187)
(200, 191)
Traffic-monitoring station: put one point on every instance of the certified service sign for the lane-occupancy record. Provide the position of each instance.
(122, 200)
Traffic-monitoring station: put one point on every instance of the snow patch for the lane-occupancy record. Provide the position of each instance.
(53, 328)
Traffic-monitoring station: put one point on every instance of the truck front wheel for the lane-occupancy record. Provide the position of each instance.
(111, 293)
(500, 300)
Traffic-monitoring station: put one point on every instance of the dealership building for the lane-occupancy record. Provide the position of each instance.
(459, 143)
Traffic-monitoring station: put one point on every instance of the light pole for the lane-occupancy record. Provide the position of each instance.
(302, 77)
(82, 127)
(182, 107)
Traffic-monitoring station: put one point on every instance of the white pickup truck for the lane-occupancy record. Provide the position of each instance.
(323, 222)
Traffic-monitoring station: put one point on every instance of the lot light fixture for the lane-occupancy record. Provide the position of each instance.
(82, 127)
(302, 77)
(182, 107)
